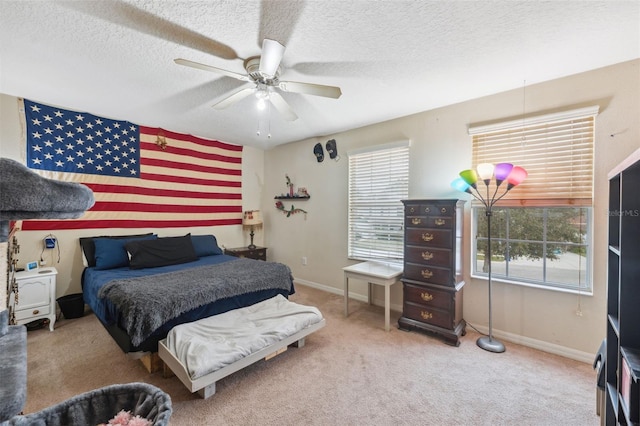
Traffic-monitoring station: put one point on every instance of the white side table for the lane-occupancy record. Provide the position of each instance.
(380, 273)
(36, 295)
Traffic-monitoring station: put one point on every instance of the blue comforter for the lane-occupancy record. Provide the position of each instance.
(110, 314)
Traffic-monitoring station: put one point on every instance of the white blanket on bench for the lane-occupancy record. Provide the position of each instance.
(212, 343)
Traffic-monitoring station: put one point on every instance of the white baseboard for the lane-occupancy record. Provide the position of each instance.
(538, 344)
(352, 295)
(514, 338)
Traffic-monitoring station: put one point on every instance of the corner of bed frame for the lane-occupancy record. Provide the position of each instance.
(152, 362)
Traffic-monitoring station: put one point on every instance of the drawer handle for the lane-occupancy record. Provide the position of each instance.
(427, 255)
(427, 297)
(427, 210)
(36, 312)
(426, 273)
(412, 209)
(426, 315)
(440, 222)
(443, 210)
(427, 236)
(416, 221)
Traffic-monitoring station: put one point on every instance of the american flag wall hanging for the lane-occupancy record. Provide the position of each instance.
(142, 177)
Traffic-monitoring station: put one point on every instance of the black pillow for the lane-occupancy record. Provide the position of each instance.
(161, 252)
(89, 248)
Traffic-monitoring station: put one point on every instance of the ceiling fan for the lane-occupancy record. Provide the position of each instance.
(263, 73)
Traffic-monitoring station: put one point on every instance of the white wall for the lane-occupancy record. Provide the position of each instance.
(440, 148)
(70, 265)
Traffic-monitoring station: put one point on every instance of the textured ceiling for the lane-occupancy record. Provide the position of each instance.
(390, 57)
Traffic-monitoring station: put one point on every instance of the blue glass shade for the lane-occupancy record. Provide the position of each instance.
(460, 185)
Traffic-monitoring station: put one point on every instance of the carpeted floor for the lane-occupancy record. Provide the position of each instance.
(351, 372)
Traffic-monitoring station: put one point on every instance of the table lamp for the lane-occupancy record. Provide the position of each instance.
(252, 219)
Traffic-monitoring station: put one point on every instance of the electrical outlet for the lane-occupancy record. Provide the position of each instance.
(579, 312)
(304, 260)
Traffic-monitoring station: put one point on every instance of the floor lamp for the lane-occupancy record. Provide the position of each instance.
(467, 182)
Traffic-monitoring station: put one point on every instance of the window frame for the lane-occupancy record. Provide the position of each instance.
(394, 252)
(586, 289)
(543, 191)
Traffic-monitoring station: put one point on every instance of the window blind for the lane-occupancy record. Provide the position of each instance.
(555, 149)
(378, 181)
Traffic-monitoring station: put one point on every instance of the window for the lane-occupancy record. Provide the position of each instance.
(536, 245)
(541, 231)
(378, 181)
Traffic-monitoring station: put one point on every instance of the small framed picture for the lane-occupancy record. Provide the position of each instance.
(31, 266)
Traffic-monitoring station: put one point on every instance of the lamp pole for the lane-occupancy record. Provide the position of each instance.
(467, 182)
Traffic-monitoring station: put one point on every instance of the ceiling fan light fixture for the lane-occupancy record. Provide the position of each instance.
(263, 96)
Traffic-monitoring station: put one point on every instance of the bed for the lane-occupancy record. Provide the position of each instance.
(141, 286)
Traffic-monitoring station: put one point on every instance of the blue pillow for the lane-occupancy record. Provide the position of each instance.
(110, 252)
(205, 245)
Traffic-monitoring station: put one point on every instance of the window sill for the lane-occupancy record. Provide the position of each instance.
(585, 292)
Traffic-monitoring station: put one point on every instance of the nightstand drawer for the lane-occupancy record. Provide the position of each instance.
(32, 312)
(428, 315)
(428, 297)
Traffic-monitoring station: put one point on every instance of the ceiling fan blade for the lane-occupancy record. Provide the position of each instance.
(282, 106)
(272, 53)
(204, 67)
(235, 97)
(311, 89)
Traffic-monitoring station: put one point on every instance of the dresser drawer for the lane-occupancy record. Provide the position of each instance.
(428, 297)
(429, 222)
(429, 315)
(428, 256)
(437, 210)
(429, 274)
(428, 210)
(430, 237)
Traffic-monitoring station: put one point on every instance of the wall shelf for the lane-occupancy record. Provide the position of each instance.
(287, 197)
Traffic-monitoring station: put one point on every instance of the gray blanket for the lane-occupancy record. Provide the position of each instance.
(146, 303)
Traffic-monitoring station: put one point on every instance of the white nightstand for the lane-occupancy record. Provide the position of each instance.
(36, 295)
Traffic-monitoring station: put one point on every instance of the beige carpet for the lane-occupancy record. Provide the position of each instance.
(351, 372)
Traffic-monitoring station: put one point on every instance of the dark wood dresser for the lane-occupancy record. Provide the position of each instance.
(432, 280)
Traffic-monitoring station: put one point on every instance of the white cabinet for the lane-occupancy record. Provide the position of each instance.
(36, 296)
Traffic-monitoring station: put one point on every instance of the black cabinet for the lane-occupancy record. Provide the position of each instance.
(622, 365)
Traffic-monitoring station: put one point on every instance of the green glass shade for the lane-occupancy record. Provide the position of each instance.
(470, 176)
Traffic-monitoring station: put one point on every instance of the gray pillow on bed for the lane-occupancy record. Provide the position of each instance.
(161, 252)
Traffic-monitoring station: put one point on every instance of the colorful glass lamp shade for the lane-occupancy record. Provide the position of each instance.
(514, 175)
